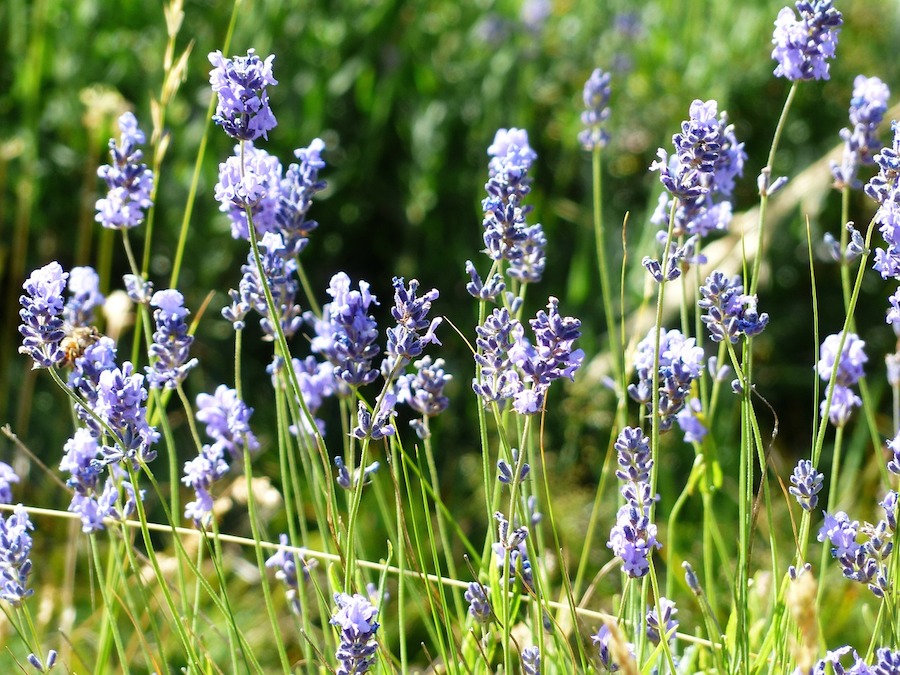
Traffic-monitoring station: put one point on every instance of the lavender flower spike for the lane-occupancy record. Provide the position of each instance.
(406, 340)
(867, 108)
(884, 188)
(849, 371)
(806, 483)
(803, 45)
(596, 104)
(171, 342)
(479, 605)
(15, 565)
(129, 180)
(42, 316)
(240, 82)
(355, 616)
(287, 564)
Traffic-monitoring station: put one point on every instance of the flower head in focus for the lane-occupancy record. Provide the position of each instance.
(241, 84)
(804, 43)
(128, 179)
(355, 617)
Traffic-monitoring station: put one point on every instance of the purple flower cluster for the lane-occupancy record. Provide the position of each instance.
(316, 380)
(507, 236)
(479, 604)
(348, 480)
(680, 363)
(84, 296)
(531, 661)
(867, 562)
(227, 420)
(511, 543)
(803, 45)
(849, 371)
(240, 82)
(346, 333)
(171, 342)
(700, 175)
(729, 312)
(42, 326)
(806, 483)
(596, 111)
(884, 188)
(120, 404)
(633, 537)
(279, 268)
(287, 564)
(85, 378)
(277, 202)
(15, 565)
(886, 662)
(665, 626)
(601, 640)
(423, 390)
(129, 180)
(867, 108)
(413, 331)
(355, 616)
(92, 501)
(376, 424)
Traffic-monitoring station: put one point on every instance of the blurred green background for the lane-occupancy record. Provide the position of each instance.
(407, 97)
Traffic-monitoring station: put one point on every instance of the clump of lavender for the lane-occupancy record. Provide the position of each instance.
(120, 404)
(42, 316)
(241, 84)
(729, 312)
(84, 296)
(129, 180)
(7, 478)
(867, 108)
(498, 380)
(171, 342)
(355, 616)
(552, 356)
(413, 331)
(884, 188)
(596, 111)
(803, 44)
(346, 333)
(423, 391)
(85, 378)
(633, 537)
(287, 565)
(849, 371)
(806, 483)
(479, 605)
(665, 626)
(15, 565)
(867, 562)
(298, 187)
(250, 178)
(700, 175)
(279, 268)
(680, 363)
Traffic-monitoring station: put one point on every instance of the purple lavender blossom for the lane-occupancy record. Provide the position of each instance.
(498, 380)
(841, 532)
(729, 312)
(85, 378)
(479, 605)
(633, 455)
(251, 178)
(316, 380)
(849, 371)
(279, 268)
(298, 187)
(129, 180)
(413, 331)
(707, 160)
(7, 478)
(887, 662)
(859, 666)
(355, 616)
(42, 316)
(481, 291)
(511, 543)
(240, 82)
(531, 661)
(668, 623)
(346, 333)
(94, 506)
(287, 564)
(199, 474)
(601, 640)
(376, 424)
(802, 46)
(507, 472)
(227, 420)
(84, 296)
(423, 391)
(347, 480)
(120, 404)
(80, 451)
(867, 108)
(15, 565)
(806, 483)
(551, 357)
(46, 665)
(138, 289)
(894, 446)
(596, 112)
(884, 188)
(680, 363)
(688, 419)
(171, 342)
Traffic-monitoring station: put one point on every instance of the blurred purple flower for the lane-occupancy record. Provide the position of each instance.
(129, 180)
(803, 45)
(596, 112)
(867, 108)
